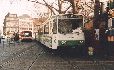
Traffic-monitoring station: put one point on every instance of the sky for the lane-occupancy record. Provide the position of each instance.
(20, 7)
(13, 6)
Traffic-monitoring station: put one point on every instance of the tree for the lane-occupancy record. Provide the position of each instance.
(55, 9)
(78, 6)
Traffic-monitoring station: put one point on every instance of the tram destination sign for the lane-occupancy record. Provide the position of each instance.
(70, 16)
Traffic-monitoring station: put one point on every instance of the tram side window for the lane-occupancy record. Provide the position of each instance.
(51, 27)
(54, 26)
(46, 29)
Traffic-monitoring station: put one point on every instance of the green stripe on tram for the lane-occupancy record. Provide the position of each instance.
(70, 42)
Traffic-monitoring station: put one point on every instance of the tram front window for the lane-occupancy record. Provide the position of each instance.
(66, 26)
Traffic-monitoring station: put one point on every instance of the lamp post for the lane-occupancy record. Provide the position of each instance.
(37, 26)
(18, 27)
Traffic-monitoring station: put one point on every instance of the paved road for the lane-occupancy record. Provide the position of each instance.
(8, 52)
(39, 58)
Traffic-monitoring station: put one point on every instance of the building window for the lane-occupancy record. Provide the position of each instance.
(30, 28)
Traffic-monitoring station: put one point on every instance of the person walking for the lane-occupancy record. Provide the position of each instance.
(16, 38)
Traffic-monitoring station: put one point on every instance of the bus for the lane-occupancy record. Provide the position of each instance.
(25, 36)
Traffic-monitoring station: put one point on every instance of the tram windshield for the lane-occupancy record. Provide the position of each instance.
(68, 23)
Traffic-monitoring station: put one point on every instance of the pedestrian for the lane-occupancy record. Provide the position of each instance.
(16, 38)
(12, 37)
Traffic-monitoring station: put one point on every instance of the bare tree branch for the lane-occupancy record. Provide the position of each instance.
(89, 6)
(47, 5)
(40, 3)
(59, 5)
(53, 9)
(67, 8)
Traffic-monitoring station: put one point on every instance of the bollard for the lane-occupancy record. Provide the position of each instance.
(3, 44)
(14, 42)
(0, 40)
(90, 51)
(9, 43)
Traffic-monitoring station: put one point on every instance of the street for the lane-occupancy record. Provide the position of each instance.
(62, 34)
(34, 56)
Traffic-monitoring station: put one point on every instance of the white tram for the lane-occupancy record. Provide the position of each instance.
(62, 31)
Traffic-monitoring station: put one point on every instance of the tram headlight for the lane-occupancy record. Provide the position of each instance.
(63, 42)
(81, 41)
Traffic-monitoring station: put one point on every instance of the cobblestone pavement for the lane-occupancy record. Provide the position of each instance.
(39, 58)
(8, 52)
(51, 61)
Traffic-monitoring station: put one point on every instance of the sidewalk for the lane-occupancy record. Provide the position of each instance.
(7, 50)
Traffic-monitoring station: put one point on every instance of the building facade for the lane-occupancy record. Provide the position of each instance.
(10, 24)
(17, 24)
(36, 24)
(26, 23)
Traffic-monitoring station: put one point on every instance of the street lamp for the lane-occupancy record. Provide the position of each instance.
(38, 26)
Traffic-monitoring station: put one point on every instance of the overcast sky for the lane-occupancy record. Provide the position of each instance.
(19, 7)
(16, 7)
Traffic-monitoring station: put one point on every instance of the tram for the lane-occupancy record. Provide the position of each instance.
(25, 36)
(64, 30)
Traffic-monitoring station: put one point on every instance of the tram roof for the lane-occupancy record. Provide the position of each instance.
(64, 15)
(54, 16)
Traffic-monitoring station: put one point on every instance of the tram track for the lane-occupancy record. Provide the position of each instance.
(41, 58)
(19, 56)
(75, 63)
(16, 54)
(39, 54)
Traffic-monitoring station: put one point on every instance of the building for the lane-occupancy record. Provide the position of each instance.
(17, 24)
(26, 23)
(37, 22)
(10, 24)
